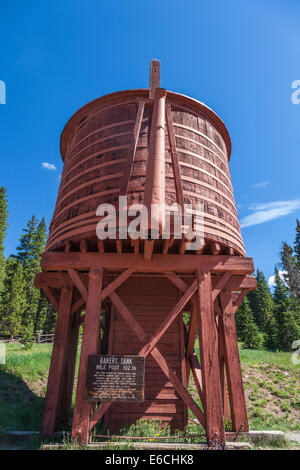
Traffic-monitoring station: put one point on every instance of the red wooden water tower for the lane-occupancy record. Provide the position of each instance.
(151, 146)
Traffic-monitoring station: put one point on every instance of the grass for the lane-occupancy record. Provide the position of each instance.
(272, 389)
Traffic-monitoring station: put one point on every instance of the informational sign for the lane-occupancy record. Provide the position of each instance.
(115, 378)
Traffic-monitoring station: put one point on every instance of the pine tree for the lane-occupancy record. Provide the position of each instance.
(247, 330)
(261, 301)
(26, 250)
(42, 304)
(287, 328)
(13, 302)
(291, 269)
(3, 227)
(297, 243)
(262, 306)
(29, 252)
(46, 316)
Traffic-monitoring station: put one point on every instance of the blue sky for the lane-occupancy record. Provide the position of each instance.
(239, 57)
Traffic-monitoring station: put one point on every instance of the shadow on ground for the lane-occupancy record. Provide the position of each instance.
(20, 410)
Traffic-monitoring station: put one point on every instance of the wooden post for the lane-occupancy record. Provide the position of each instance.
(208, 344)
(55, 378)
(221, 348)
(233, 367)
(65, 401)
(192, 331)
(90, 345)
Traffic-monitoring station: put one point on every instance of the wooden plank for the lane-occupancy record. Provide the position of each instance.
(57, 362)
(233, 367)
(60, 279)
(90, 345)
(150, 406)
(208, 345)
(57, 280)
(112, 261)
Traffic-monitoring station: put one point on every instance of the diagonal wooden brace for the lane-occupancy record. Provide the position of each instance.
(78, 283)
(169, 320)
(220, 285)
(51, 298)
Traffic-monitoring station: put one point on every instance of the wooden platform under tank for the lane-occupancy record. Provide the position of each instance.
(148, 299)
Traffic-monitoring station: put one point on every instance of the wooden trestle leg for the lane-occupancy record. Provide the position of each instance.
(90, 345)
(221, 347)
(64, 407)
(52, 409)
(232, 362)
(208, 343)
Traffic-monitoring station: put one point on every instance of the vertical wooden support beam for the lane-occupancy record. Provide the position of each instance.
(192, 331)
(55, 378)
(208, 343)
(221, 348)
(65, 401)
(233, 367)
(90, 345)
(183, 364)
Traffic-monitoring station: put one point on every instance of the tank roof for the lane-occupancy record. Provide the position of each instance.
(129, 95)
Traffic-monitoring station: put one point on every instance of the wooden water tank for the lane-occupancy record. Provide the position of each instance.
(105, 147)
(152, 147)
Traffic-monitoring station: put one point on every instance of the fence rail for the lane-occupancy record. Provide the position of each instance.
(38, 338)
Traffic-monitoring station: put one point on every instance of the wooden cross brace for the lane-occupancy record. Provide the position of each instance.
(84, 422)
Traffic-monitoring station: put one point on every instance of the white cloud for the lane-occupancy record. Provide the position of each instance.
(260, 185)
(271, 281)
(269, 211)
(48, 166)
